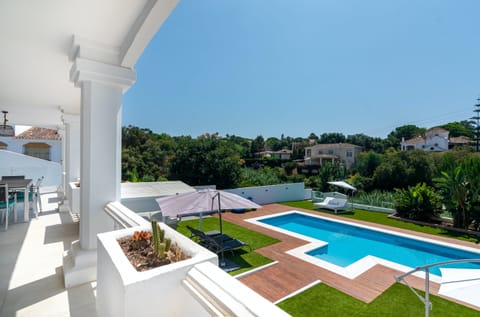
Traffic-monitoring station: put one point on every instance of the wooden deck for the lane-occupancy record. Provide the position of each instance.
(291, 274)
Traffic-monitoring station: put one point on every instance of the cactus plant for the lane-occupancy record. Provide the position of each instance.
(160, 244)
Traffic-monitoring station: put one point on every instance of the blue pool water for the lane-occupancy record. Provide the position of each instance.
(348, 244)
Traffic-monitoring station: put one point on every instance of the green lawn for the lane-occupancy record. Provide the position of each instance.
(246, 259)
(382, 218)
(323, 300)
(398, 300)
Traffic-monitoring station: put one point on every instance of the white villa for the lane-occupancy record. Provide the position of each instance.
(38, 142)
(434, 140)
(66, 66)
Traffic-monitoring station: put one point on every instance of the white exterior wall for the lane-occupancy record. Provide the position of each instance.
(16, 145)
(272, 193)
(12, 163)
(434, 143)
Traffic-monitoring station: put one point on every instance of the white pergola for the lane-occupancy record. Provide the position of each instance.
(66, 65)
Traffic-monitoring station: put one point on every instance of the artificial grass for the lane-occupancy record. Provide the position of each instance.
(398, 300)
(244, 258)
(382, 218)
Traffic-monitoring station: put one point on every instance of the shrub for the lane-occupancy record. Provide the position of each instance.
(419, 202)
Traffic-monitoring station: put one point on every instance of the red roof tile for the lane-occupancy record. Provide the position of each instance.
(40, 134)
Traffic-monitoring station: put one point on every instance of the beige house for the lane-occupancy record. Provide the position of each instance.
(281, 154)
(343, 153)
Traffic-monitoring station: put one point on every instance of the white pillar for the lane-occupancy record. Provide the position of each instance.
(62, 188)
(71, 160)
(102, 86)
(72, 147)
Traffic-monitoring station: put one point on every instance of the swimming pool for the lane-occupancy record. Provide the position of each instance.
(337, 245)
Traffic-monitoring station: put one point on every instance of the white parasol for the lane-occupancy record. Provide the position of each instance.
(202, 201)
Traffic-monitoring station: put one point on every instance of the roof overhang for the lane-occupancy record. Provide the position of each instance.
(40, 41)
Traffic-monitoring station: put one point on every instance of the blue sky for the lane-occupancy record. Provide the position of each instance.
(273, 67)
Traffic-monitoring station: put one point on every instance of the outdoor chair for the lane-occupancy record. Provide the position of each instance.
(6, 203)
(332, 203)
(33, 196)
(217, 243)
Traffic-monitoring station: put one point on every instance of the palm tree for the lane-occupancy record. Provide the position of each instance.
(460, 188)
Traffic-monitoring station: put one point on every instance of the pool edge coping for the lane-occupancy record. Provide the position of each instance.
(361, 266)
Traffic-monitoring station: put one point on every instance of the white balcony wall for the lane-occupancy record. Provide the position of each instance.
(12, 163)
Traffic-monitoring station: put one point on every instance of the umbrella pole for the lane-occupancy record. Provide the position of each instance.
(222, 260)
(220, 214)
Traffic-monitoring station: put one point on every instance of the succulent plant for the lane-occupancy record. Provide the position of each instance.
(160, 244)
(141, 236)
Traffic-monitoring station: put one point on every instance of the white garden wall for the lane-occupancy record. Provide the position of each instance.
(12, 163)
(273, 193)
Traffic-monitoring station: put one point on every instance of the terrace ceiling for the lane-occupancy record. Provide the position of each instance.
(36, 42)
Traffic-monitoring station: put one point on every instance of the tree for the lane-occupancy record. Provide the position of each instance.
(462, 128)
(330, 172)
(289, 167)
(391, 173)
(258, 145)
(406, 131)
(419, 166)
(332, 138)
(273, 144)
(367, 162)
(367, 143)
(206, 161)
(145, 155)
(475, 121)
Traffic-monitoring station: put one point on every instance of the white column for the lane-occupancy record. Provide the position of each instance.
(71, 160)
(102, 86)
(72, 147)
(62, 188)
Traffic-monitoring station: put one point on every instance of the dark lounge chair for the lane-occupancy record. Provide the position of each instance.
(217, 243)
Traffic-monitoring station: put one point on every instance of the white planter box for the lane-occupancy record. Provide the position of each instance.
(122, 291)
(74, 197)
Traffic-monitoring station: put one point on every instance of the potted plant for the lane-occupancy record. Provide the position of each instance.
(124, 291)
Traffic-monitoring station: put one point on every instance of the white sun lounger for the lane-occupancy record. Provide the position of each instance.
(332, 203)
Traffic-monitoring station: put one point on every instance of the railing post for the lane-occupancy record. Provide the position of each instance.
(427, 292)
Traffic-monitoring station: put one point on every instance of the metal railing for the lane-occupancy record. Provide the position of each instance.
(426, 300)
